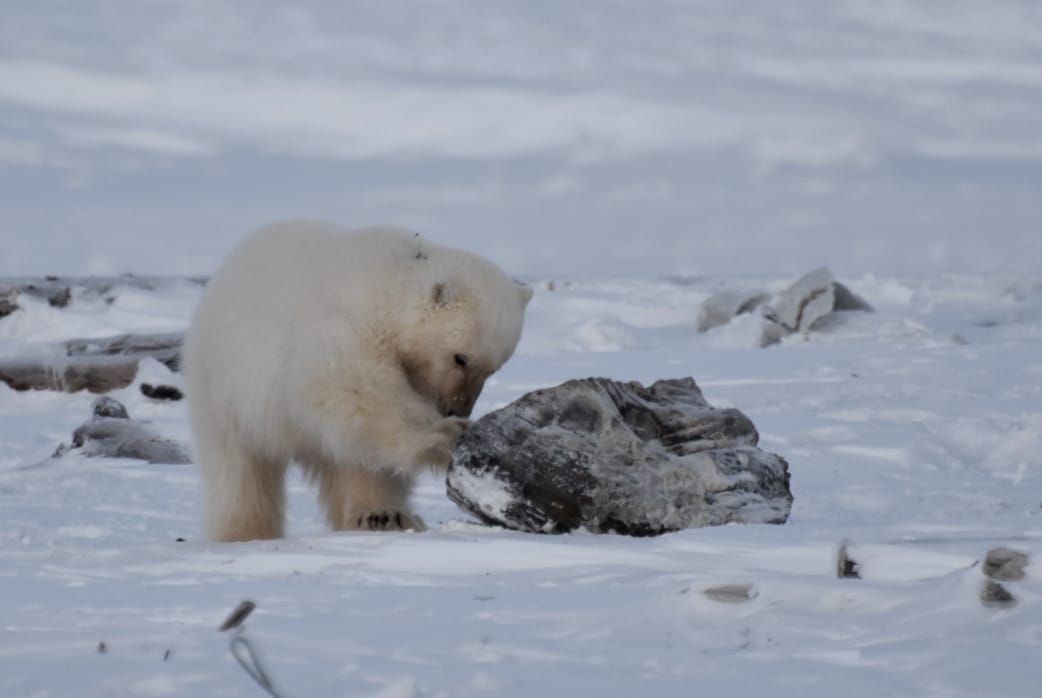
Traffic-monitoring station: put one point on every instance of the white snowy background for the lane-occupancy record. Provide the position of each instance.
(640, 156)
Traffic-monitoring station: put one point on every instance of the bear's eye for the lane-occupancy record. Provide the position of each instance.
(461, 360)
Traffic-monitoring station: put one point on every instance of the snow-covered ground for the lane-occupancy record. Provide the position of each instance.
(914, 432)
(640, 156)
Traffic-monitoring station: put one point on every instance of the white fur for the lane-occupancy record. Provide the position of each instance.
(294, 355)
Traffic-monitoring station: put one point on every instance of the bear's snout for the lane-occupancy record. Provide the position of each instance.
(458, 406)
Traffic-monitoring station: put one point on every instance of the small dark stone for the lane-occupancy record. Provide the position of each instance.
(179, 539)
(102, 648)
(996, 595)
(617, 457)
(846, 567)
(238, 616)
(161, 392)
(849, 569)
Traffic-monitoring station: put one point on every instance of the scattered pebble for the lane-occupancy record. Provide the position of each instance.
(731, 593)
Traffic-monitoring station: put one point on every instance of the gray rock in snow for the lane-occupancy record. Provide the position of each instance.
(111, 433)
(812, 298)
(1005, 564)
(995, 595)
(800, 308)
(721, 308)
(607, 456)
(108, 407)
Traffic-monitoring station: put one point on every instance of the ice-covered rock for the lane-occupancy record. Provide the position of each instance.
(813, 297)
(799, 308)
(720, 308)
(110, 432)
(608, 456)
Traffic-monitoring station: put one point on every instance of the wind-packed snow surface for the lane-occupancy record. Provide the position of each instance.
(640, 156)
(914, 433)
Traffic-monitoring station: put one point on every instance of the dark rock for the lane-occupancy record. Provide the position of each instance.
(110, 433)
(1005, 564)
(846, 566)
(238, 615)
(607, 456)
(161, 392)
(846, 300)
(995, 595)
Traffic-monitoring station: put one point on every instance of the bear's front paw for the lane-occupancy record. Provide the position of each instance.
(452, 427)
(388, 520)
(438, 450)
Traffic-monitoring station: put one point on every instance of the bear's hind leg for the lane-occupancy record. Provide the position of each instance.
(246, 495)
(357, 498)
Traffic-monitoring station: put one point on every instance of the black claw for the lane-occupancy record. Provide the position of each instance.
(384, 521)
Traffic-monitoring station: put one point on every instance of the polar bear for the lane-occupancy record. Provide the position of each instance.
(357, 354)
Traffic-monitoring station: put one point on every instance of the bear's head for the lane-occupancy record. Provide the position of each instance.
(466, 326)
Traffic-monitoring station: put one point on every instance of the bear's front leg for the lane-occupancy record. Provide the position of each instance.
(357, 498)
(379, 419)
(414, 437)
(435, 447)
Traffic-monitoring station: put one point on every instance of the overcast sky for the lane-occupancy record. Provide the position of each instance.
(650, 138)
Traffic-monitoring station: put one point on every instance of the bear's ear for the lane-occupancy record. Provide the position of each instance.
(525, 294)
